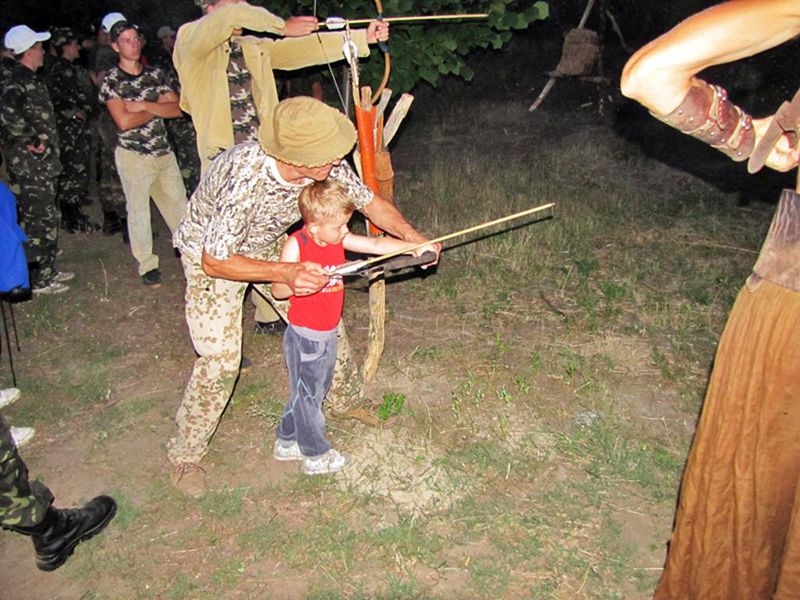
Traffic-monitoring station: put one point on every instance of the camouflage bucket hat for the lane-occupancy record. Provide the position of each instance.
(308, 133)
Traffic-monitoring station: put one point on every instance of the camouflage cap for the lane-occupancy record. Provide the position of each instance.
(62, 36)
(308, 133)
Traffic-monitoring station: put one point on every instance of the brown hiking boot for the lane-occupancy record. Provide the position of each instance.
(189, 479)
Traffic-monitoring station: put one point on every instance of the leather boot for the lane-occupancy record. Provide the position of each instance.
(55, 538)
(69, 218)
(85, 224)
(111, 222)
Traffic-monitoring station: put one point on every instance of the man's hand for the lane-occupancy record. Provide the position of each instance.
(784, 155)
(299, 26)
(37, 148)
(377, 31)
(435, 248)
(305, 278)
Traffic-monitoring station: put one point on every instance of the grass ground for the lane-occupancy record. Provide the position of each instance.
(540, 390)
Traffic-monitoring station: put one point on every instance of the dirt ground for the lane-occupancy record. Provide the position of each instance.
(102, 369)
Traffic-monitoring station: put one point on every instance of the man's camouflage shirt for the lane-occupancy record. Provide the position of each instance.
(151, 138)
(66, 90)
(27, 117)
(243, 206)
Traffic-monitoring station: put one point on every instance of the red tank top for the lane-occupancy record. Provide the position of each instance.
(320, 311)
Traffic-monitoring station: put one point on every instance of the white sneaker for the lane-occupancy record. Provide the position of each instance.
(330, 462)
(284, 451)
(54, 288)
(63, 276)
(22, 435)
(9, 396)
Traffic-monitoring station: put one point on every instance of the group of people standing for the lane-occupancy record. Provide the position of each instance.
(55, 133)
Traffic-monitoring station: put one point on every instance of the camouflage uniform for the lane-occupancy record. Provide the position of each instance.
(23, 503)
(112, 198)
(181, 132)
(72, 108)
(244, 207)
(27, 117)
(6, 64)
(145, 162)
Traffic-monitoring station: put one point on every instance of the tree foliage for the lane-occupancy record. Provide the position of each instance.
(431, 50)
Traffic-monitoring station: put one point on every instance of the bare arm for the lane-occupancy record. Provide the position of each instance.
(289, 254)
(385, 215)
(302, 278)
(659, 75)
(374, 245)
(166, 107)
(124, 118)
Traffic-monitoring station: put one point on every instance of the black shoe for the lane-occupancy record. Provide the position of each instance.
(246, 365)
(270, 328)
(152, 278)
(55, 538)
(111, 222)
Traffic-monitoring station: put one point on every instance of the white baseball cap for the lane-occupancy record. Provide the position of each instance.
(20, 38)
(165, 31)
(112, 19)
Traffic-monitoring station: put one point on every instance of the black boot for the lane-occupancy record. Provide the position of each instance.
(125, 237)
(85, 224)
(111, 222)
(69, 218)
(55, 538)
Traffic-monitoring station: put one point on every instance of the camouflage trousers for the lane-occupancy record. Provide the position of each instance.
(144, 177)
(214, 310)
(74, 147)
(23, 503)
(39, 216)
(112, 198)
(184, 144)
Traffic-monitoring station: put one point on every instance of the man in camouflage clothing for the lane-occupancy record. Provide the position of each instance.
(180, 131)
(6, 65)
(139, 99)
(72, 108)
(26, 508)
(231, 237)
(102, 59)
(228, 84)
(31, 148)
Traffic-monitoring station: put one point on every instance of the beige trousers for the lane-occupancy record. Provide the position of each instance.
(214, 314)
(144, 177)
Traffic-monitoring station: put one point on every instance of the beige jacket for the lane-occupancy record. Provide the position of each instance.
(201, 59)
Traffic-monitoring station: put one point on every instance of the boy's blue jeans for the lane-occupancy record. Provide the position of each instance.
(310, 357)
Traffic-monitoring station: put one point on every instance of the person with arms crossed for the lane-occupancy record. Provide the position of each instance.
(139, 98)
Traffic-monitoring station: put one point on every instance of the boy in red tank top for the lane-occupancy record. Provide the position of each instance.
(311, 338)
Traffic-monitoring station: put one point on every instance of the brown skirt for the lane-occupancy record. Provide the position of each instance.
(737, 528)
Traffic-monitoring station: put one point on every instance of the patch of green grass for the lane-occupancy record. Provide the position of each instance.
(227, 574)
(408, 538)
(489, 578)
(391, 405)
(182, 587)
(263, 538)
(120, 417)
(226, 503)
